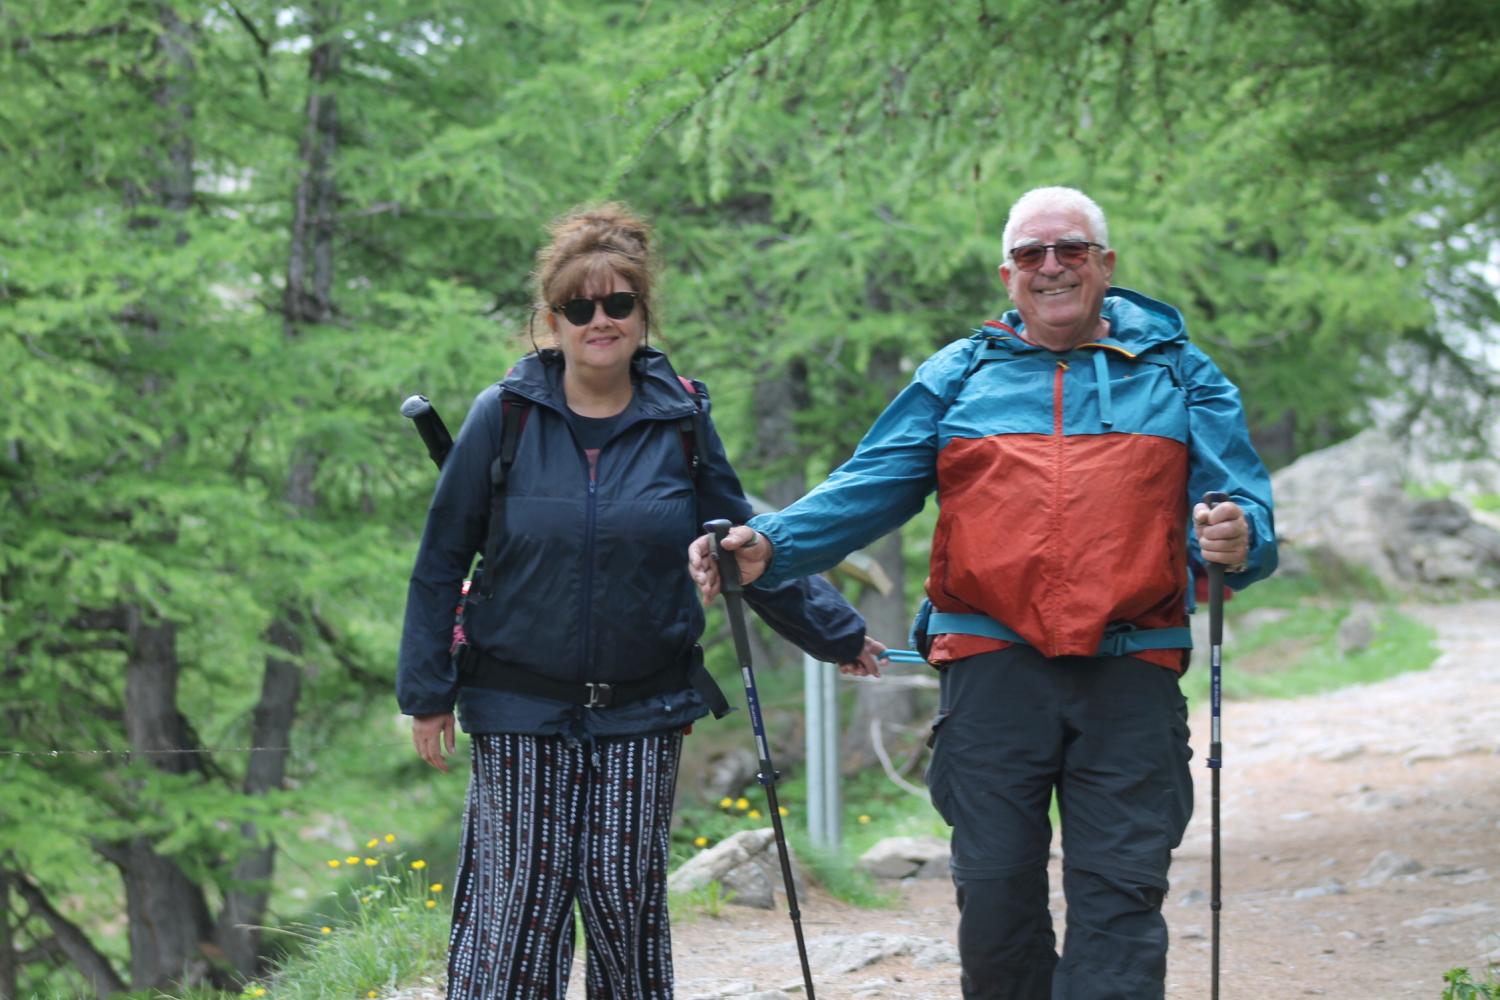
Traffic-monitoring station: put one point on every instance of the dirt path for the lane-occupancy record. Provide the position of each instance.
(1315, 790)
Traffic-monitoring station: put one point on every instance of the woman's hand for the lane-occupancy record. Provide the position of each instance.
(868, 663)
(752, 551)
(429, 734)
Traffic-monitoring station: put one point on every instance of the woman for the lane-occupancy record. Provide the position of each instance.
(581, 671)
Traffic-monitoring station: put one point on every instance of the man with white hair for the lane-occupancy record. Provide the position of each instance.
(1069, 443)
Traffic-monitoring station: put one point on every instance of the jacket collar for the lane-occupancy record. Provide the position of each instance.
(1137, 323)
(659, 392)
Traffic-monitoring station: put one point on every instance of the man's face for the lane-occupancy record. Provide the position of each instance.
(1059, 305)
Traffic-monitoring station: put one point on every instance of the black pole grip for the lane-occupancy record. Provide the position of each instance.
(729, 569)
(430, 426)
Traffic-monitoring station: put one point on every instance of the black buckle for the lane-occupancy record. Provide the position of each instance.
(600, 694)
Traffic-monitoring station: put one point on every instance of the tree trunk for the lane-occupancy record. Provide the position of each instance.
(775, 449)
(71, 941)
(167, 913)
(7, 942)
(245, 903)
(309, 273)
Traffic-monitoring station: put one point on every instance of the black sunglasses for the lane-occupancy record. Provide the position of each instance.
(1070, 254)
(580, 312)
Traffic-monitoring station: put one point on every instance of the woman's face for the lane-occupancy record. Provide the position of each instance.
(602, 343)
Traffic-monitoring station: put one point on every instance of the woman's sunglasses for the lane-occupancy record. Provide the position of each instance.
(1070, 254)
(580, 312)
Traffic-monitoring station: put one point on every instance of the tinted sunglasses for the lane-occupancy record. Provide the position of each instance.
(580, 312)
(1070, 254)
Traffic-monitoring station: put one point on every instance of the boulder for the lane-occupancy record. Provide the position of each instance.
(746, 867)
(902, 857)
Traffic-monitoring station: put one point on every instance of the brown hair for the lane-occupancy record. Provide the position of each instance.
(587, 244)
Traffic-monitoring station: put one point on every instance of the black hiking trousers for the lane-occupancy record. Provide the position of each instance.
(1109, 735)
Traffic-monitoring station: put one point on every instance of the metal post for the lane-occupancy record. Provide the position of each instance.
(812, 698)
(824, 803)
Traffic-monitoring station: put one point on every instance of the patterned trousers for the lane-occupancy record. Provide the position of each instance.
(548, 823)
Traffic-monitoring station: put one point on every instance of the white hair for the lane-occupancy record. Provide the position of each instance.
(1065, 198)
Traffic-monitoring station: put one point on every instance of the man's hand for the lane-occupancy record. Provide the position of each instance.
(868, 662)
(752, 551)
(1223, 533)
(429, 734)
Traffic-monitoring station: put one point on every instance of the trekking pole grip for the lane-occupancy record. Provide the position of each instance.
(729, 568)
(1215, 579)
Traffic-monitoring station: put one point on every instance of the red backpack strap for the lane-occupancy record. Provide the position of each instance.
(691, 431)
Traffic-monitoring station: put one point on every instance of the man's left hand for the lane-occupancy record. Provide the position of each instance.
(1223, 533)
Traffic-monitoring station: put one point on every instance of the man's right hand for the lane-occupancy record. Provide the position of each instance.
(430, 734)
(752, 551)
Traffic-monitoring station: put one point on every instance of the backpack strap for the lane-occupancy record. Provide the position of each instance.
(513, 413)
(691, 430)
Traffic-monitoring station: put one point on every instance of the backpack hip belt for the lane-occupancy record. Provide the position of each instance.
(1120, 639)
(477, 668)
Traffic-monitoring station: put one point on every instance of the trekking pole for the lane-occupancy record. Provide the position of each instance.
(434, 433)
(729, 586)
(1215, 741)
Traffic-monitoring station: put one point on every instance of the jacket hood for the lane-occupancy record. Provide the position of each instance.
(659, 391)
(1137, 323)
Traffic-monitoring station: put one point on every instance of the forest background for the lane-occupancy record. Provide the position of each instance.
(233, 236)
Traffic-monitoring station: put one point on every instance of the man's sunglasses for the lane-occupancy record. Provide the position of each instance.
(580, 312)
(1070, 254)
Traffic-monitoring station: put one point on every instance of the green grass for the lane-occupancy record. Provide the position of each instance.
(1461, 985)
(1299, 654)
(392, 931)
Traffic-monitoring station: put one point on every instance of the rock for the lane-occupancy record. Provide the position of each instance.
(745, 864)
(1333, 887)
(1448, 915)
(1193, 897)
(900, 857)
(1358, 629)
(1259, 618)
(1386, 866)
(844, 953)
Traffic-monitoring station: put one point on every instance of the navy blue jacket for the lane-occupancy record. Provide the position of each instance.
(591, 583)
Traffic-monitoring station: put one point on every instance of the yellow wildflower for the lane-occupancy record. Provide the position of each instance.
(783, 810)
(742, 803)
(326, 929)
(334, 862)
(390, 838)
(260, 991)
(754, 814)
(372, 842)
(431, 904)
(371, 862)
(700, 841)
(864, 817)
(372, 994)
(352, 859)
(418, 865)
(436, 887)
(726, 802)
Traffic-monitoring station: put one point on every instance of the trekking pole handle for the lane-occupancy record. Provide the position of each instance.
(1215, 579)
(729, 569)
(419, 410)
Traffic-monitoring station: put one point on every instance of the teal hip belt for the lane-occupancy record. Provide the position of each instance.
(1119, 640)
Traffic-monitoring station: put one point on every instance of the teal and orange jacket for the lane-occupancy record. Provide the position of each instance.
(1065, 481)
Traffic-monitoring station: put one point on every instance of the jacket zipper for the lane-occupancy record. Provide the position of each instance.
(586, 619)
(1058, 500)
